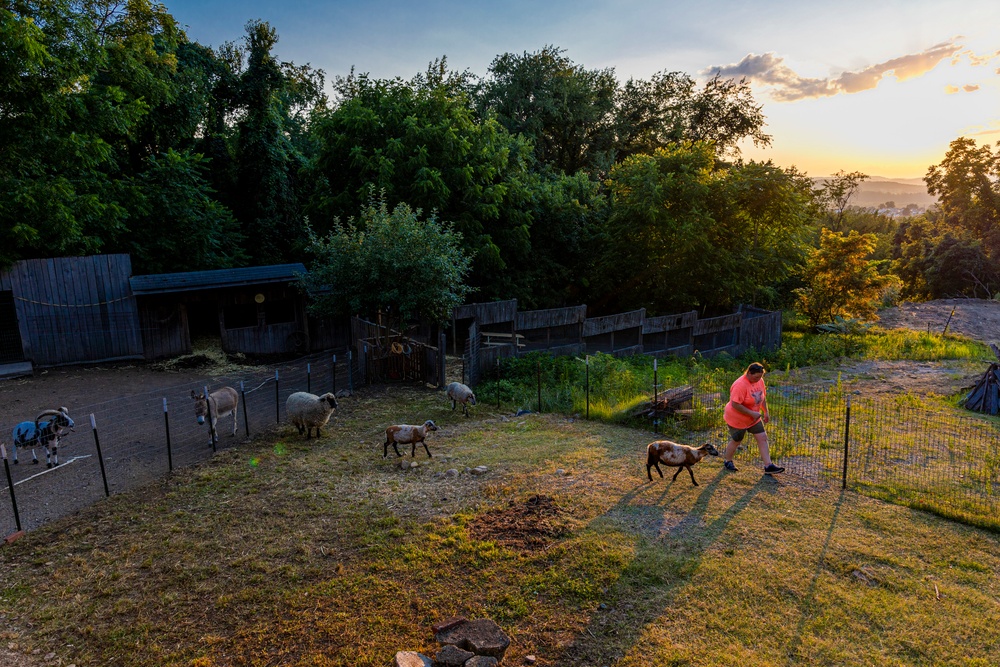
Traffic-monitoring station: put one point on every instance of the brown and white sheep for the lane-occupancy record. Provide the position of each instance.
(672, 454)
(406, 434)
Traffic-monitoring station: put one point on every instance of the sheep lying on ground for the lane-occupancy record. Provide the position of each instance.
(308, 411)
(679, 456)
(405, 434)
(459, 393)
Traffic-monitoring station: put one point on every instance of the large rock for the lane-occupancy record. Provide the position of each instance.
(412, 659)
(482, 637)
(452, 656)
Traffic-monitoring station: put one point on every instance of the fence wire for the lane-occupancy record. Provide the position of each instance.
(132, 432)
(902, 449)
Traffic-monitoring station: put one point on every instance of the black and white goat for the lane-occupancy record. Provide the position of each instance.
(45, 432)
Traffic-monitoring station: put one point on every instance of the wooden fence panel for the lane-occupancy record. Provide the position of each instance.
(75, 309)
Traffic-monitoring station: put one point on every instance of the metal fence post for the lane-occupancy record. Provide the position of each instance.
(309, 383)
(498, 383)
(847, 440)
(333, 376)
(588, 385)
(246, 419)
(10, 486)
(100, 456)
(166, 426)
(656, 422)
(277, 400)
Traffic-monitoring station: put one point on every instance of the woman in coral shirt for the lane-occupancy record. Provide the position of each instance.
(746, 412)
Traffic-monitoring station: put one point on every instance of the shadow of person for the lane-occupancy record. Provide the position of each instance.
(686, 542)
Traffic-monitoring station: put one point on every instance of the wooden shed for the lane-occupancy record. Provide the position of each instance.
(255, 310)
(67, 310)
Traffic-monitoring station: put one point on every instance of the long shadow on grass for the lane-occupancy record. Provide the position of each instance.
(667, 554)
(808, 606)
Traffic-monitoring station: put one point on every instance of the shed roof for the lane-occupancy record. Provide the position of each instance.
(161, 283)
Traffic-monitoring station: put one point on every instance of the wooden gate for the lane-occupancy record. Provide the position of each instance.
(395, 359)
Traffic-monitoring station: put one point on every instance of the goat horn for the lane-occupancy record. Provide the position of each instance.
(48, 413)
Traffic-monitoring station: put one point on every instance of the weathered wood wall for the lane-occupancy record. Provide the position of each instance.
(75, 309)
(562, 331)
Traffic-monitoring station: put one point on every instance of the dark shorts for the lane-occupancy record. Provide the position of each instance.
(737, 433)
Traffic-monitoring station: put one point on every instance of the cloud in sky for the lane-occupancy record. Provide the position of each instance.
(786, 85)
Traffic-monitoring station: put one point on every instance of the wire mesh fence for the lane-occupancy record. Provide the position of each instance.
(903, 449)
(896, 448)
(133, 440)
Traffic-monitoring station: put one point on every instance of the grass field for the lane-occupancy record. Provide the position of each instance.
(285, 552)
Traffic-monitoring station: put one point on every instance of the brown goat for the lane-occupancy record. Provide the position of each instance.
(680, 456)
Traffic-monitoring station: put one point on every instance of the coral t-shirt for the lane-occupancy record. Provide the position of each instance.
(746, 393)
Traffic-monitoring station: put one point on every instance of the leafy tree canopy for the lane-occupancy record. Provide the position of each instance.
(395, 263)
(840, 280)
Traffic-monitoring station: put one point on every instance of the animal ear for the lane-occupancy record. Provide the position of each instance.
(193, 395)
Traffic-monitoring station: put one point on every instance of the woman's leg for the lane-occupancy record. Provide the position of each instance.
(762, 445)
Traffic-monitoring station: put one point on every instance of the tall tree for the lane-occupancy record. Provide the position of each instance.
(563, 109)
(966, 183)
(683, 234)
(669, 108)
(419, 142)
(267, 161)
(835, 194)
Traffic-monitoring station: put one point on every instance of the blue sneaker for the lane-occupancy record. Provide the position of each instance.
(772, 469)
(730, 466)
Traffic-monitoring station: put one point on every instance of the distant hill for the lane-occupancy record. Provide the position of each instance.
(901, 191)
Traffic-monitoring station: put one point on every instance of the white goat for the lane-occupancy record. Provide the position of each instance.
(308, 411)
(43, 432)
(221, 402)
(460, 393)
(672, 454)
(406, 434)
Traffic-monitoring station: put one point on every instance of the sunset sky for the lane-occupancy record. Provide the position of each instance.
(877, 86)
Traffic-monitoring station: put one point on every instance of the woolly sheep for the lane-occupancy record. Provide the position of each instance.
(460, 393)
(308, 411)
(680, 456)
(406, 434)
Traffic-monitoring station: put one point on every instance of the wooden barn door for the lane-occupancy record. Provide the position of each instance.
(11, 349)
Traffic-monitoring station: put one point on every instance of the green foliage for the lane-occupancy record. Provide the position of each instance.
(388, 262)
(563, 109)
(840, 280)
(693, 236)
(421, 143)
(175, 224)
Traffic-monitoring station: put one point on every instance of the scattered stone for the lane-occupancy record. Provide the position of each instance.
(560, 472)
(412, 659)
(448, 624)
(479, 470)
(482, 661)
(452, 656)
(451, 472)
(414, 464)
(343, 393)
(404, 465)
(481, 636)
(519, 413)
(529, 659)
